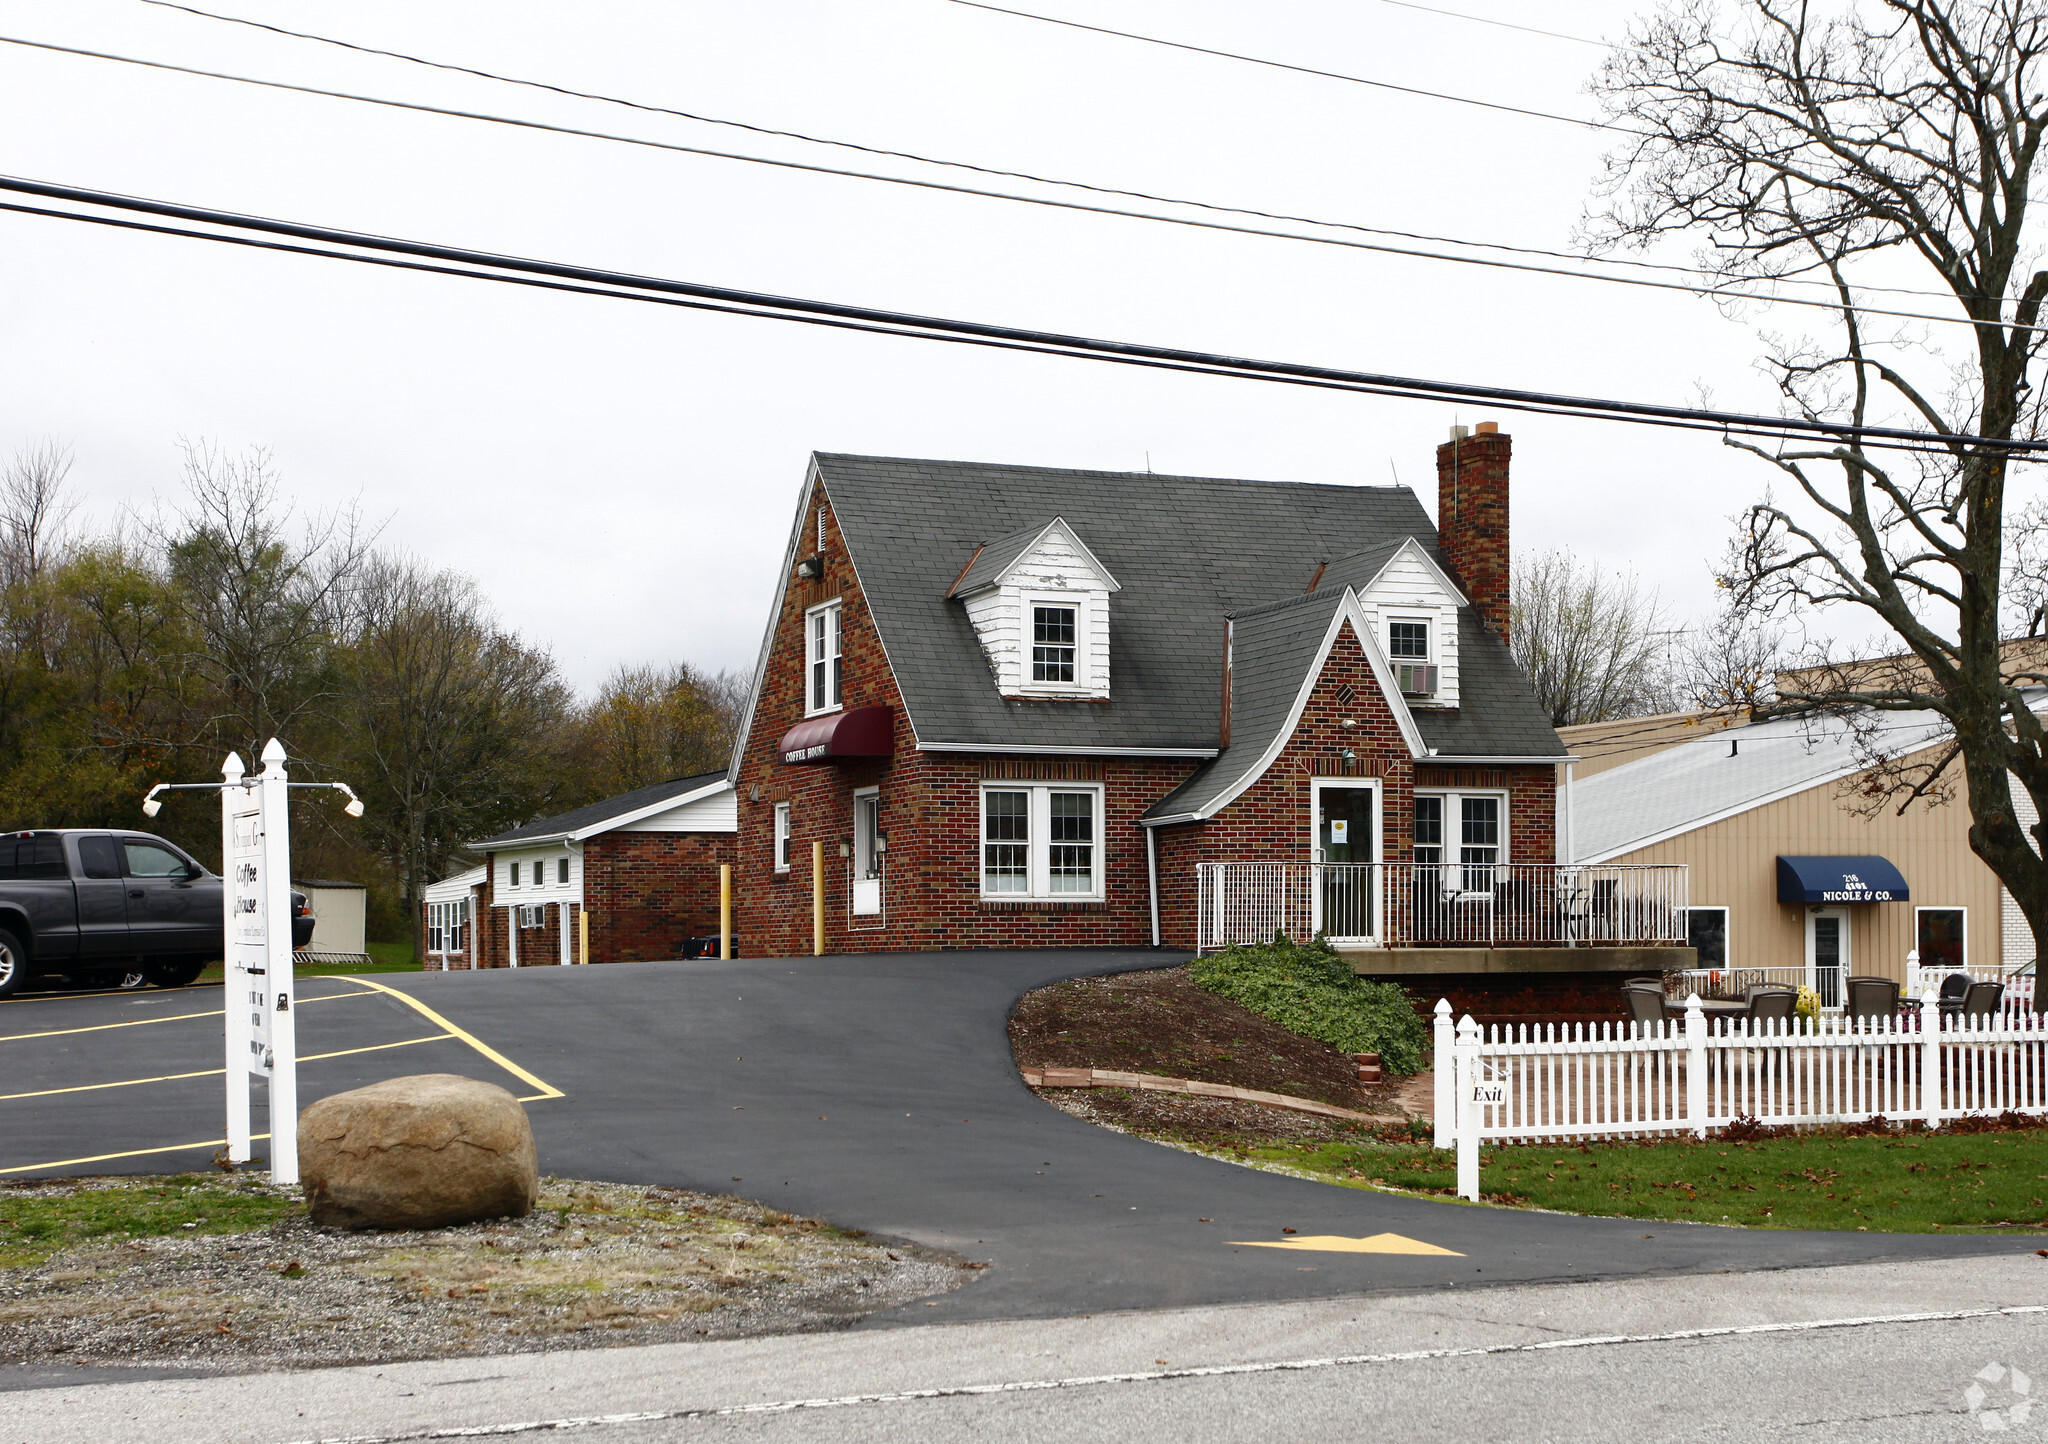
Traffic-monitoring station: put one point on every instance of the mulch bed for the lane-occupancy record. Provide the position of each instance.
(1160, 1022)
(1222, 1125)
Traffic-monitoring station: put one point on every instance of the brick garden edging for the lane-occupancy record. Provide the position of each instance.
(1152, 1082)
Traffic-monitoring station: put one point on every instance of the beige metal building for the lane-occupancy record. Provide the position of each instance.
(1784, 872)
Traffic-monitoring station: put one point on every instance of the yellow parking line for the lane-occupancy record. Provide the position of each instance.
(213, 1072)
(376, 1047)
(131, 1153)
(547, 1090)
(102, 1027)
(171, 1018)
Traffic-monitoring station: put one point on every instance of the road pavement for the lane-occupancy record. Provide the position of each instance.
(874, 1091)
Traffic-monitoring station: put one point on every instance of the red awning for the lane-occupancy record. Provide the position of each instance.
(861, 732)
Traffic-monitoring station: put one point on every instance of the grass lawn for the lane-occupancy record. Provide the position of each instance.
(384, 958)
(34, 1225)
(1892, 1182)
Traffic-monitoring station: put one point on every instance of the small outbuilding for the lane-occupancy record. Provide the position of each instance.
(628, 879)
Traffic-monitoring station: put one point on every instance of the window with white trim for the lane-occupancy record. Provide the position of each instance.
(446, 924)
(1041, 840)
(1706, 932)
(782, 837)
(515, 874)
(1408, 640)
(1462, 835)
(821, 656)
(1939, 935)
(562, 870)
(1054, 635)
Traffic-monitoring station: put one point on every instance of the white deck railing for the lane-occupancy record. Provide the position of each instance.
(1399, 904)
(1558, 1081)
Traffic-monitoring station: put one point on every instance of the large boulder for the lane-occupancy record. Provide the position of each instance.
(419, 1152)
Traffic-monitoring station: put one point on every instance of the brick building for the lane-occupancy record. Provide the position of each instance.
(1006, 706)
(624, 880)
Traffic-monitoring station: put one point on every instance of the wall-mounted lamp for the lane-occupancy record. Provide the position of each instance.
(811, 568)
(881, 842)
(845, 848)
(1348, 755)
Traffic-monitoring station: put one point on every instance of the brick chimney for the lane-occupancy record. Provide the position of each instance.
(1472, 517)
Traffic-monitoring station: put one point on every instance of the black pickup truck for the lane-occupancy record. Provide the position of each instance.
(100, 908)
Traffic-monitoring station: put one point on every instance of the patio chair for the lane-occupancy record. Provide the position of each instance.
(1953, 987)
(1982, 1001)
(1645, 1001)
(1772, 1003)
(1872, 998)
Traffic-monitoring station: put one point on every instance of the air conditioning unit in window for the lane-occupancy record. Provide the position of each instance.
(1416, 679)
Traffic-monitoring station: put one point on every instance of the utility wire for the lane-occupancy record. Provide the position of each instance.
(921, 159)
(1297, 69)
(589, 280)
(1687, 288)
(1505, 25)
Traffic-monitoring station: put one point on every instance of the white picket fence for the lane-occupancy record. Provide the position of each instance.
(1547, 1082)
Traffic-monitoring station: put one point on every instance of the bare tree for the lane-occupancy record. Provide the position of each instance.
(451, 723)
(265, 596)
(1592, 645)
(1807, 147)
(35, 510)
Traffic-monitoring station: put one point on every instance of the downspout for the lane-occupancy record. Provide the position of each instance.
(569, 949)
(1567, 842)
(1152, 881)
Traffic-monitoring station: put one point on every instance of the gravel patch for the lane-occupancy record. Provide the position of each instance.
(596, 1264)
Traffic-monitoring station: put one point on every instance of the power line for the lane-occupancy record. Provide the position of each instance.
(1297, 69)
(921, 159)
(1692, 289)
(1505, 24)
(483, 265)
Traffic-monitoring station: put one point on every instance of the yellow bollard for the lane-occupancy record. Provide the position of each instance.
(583, 936)
(725, 910)
(818, 898)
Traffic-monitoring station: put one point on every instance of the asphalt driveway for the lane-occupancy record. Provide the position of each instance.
(875, 1091)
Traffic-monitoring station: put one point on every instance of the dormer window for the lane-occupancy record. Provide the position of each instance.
(1408, 641)
(1039, 602)
(1052, 644)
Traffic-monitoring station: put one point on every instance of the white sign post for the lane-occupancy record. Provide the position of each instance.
(262, 1040)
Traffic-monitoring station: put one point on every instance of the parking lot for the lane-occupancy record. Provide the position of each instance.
(877, 1092)
(134, 1081)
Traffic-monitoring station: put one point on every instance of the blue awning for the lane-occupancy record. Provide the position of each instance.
(1840, 880)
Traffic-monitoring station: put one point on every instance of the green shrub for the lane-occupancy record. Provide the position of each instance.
(1308, 989)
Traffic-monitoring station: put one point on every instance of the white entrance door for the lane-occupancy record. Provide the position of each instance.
(1344, 891)
(867, 857)
(1827, 953)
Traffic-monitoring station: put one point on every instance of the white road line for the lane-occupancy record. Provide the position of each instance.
(1210, 1371)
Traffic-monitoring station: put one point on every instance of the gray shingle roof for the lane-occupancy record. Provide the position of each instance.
(598, 813)
(1271, 651)
(1497, 715)
(995, 558)
(1186, 549)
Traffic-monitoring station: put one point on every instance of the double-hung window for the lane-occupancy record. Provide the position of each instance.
(515, 874)
(1053, 630)
(821, 654)
(1041, 841)
(782, 837)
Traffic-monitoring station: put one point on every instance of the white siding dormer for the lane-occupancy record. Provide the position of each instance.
(1039, 602)
(1413, 606)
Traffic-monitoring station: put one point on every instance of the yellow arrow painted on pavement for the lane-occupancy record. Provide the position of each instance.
(1336, 1243)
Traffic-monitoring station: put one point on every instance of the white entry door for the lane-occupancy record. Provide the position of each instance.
(1827, 953)
(867, 856)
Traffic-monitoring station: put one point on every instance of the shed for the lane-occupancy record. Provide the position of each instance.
(341, 911)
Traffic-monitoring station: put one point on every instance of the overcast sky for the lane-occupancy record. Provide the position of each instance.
(619, 477)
